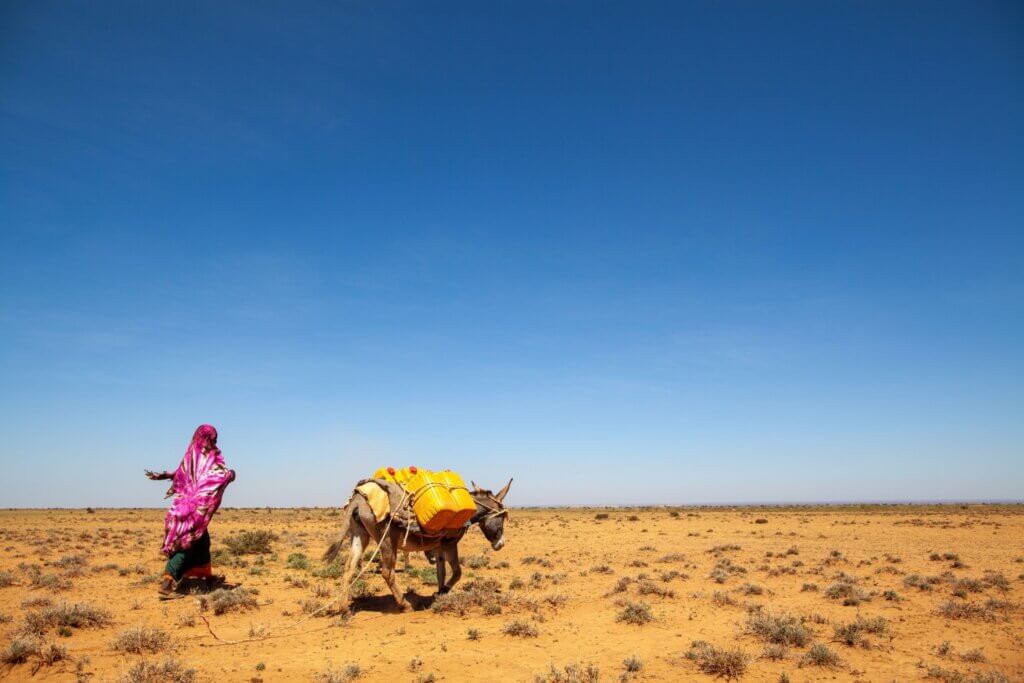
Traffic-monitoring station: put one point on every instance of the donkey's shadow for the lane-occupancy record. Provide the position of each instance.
(385, 604)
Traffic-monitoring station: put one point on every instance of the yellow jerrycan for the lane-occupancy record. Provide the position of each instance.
(433, 504)
(386, 473)
(465, 506)
(405, 475)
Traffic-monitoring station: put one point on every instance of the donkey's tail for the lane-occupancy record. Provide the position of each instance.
(346, 530)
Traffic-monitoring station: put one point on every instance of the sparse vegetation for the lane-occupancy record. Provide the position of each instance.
(728, 664)
(571, 673)
(820, 655)
(19, 650)
(228, 600)
(853, 633)
(297, 561)
(780, 628)
(956, 609)
(257, 542)
(167, 671)
(349, 673)
(520, 629)
(140, 639)
(637, 613)
(65, 615)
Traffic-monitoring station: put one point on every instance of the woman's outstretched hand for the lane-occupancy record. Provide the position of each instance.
(157, 476)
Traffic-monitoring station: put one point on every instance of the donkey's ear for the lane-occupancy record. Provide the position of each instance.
(501, 494)
(473, 484)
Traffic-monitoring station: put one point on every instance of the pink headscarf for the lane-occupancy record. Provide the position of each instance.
(198, 487)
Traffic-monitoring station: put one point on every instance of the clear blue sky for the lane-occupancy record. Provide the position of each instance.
(625, 252)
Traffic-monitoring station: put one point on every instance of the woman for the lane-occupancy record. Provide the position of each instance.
(198, 486)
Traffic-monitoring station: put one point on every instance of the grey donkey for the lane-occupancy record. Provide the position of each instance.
(359, 523)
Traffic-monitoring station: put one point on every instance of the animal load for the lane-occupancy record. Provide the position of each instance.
(440, 499)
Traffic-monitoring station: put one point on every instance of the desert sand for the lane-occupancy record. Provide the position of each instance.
(857, 593)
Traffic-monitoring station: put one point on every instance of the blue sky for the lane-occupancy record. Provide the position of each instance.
(624, 252)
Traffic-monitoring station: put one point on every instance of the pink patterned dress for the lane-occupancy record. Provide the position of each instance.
(198, 487)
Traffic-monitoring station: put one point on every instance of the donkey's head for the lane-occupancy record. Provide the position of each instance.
(491, 513)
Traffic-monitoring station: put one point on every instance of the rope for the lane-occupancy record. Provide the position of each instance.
(266, 634)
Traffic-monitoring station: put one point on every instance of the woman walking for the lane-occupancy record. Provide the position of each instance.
(198, 486)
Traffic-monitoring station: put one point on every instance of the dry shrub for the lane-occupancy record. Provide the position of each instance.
(722, 599)
(852, 634)
(850, 594)
(779, 628)
(485, 595)
(638, 613)
(64, 615)
(251, 542)
(954, 676)
(228, 600)
(954, 609)
(140, 639)
(646, 587)
(50, 654)
(476, 561)
(6, 579)
(975, 656)
(522, 629)
(570, 673)
(820, 655)
(349, 673)
(50, 582)
(19, 650)
(672, 557)
(167, 671)
(35, 602)
(728, 664)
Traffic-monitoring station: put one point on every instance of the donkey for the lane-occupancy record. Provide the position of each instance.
(359, 523)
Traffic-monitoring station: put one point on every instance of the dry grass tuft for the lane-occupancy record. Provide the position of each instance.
(349, 673)
(251, 542)
(66, 616)
(955, 609)
(780, 628)
(820, 655)
(19, 650)
(140, 639)
(728, 664)
(521, 629)
(228, 600)
(638, 613)
(570, 673)
(484, 595)
(167, 671)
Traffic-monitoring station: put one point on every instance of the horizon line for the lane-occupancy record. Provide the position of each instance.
(809, 504)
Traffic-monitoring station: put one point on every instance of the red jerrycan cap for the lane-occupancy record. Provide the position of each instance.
(391, 471)
(412, 468)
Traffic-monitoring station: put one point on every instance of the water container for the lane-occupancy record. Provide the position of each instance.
(431, 500)
(465, 506)
(405, 475)
(387, 473)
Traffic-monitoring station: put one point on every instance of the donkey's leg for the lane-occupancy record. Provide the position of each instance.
(439, 565)
(359, 541)
(388, 558)
(452, 553)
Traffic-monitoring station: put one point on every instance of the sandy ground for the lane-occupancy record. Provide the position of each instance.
(558, 573)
